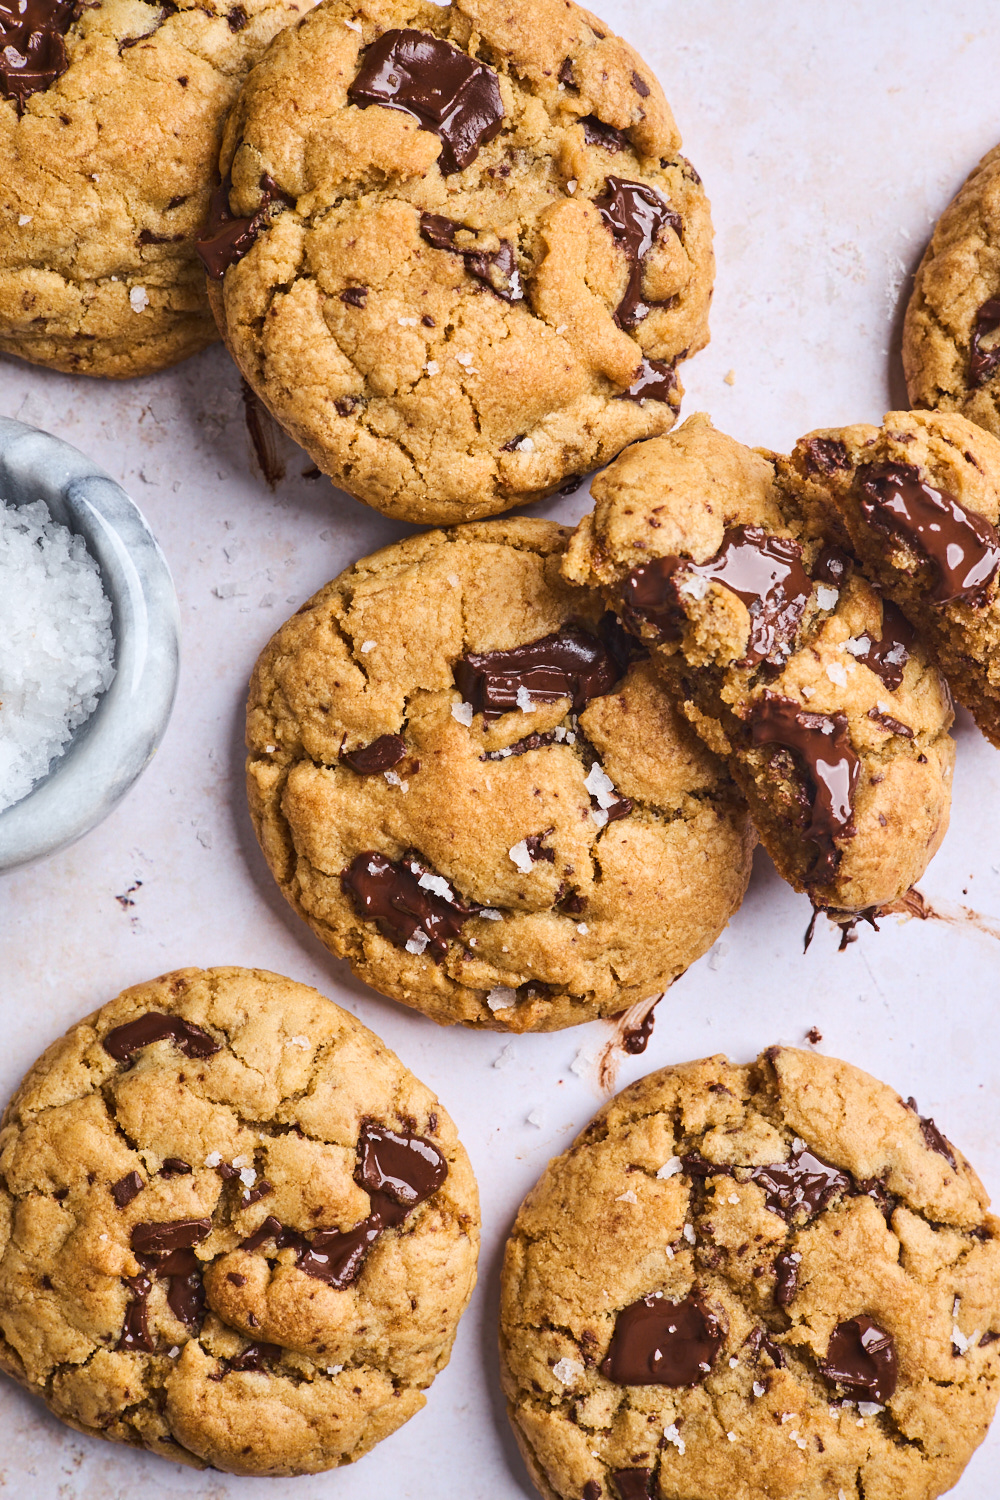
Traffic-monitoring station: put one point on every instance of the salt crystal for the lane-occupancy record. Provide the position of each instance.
(407, 322)
(526, 445)
(582, 1063)
(671, 1435)
(571, 186)
(241, 1161)
(733, 1363)
(693, 586)
(563, 328)
(270, 749)
(248, 1177)
(335, 1369)
(689, 1234)
(173, 1353)
(463, 713)
(600, 786)
(735, 1198)
(599, 816)
(418, 942)
(836, 674)
(627, 1197)
(807, 692)
(432, 367)
(717, 954)
(524, 702)
(869, 1408)
(454, 580)
(504, 1057)
(437, 884)
(23, 219)
(582, 929)
(671, 1168)
(138, 299)
(797, 1439)
(567, 1371)
(758, 1389)
(826, 597)
(394, 780)
(213, 1159)
(352, 26)
(299, 1041)
(463, 359)
(670, 1251)
(501, 997)
(536, 1118)
(367, 646)
(859, 645)
(731, 1435)
(521, 857)
(491, 915)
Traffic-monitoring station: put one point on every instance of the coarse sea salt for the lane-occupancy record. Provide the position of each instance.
(58, 647)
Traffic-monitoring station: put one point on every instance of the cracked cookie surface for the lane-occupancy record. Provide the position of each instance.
(774, 1282)
(834, 720)
(235, 1231)
(453, 318)
(546, 843)
(105, 178)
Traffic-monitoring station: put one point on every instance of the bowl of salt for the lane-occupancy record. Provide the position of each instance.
(88, 644)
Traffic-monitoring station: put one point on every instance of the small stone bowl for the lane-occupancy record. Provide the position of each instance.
(117, 742)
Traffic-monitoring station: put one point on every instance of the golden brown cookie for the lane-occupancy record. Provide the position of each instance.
(468, 786)
(782, 655)
(769, 1281)
(457, 253)
(236, 1230)
(109, 140)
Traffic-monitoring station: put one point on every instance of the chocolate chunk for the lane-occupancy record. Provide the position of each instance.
(887, 722)
(786, 1277)
(657, 1342)
(496, 269)
(697, 1166)
(633, 1484)
(635, 214)
(933, 1139)
(127, 1188)
(227, 238)
(520, 747)
(406, 1167)
(887, 657)
(653, 381)
(135, 1330)
(449, 93)
(961, 545)
(989, 1337)
(354, 296)
(270, 1229)
(147, 237)
(833, 566)
(400, 896)
(157, 1026)
(534, 843)
(32, 50)
(173, 1166)
(649, 597)
(257, 1357)
(161, 1239)
(236, 1278)
(823, 745)
(381, 755)
(876, 1190)
(983, 363)
(826, 455)
(596, 133)
(592, 1490)
(186, 1292)
(572, 664)
(640, 85)
(237, 18)
(862, 1359)
(805, 1182)
(760, 1342)
(565, 74)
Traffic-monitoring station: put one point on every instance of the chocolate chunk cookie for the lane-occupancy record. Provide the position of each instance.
(920, 499)
(456, 251)
(775, 1280)
(782, 655)
(111, 118)
(467, 780)
(236, 1230)
(951, 347)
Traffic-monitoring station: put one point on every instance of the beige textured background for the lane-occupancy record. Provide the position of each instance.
(829, 137)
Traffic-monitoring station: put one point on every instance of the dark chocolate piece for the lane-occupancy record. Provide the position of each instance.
(496, 269)
(786, 1277)
(398, 895)
(633, 1484)
(805, 1182)
(887, 722)
(826, 455)
(135, 1329)
(649, 597)
(32, 50)
(257, 1357)
(887, 657)
(620, 642)
(174, 1166)
(640, 85)
(657, 1342)
(263, 433)
(596, 133)
(635, 214)
(989, 1337)
(161, 1239)
(862, 1359)
(823, 745)
(833, 566)
(520, 747)
(158, 1026)
(875, 1189)
(572, 664)
(766, 573)
(354, 296)
(408, 1168)
(983, 363)
(760, 1342)
(237, 18)
(653, 381)
(381, 755)
(449, 93)
(535, 845)
(933, 1139)
(592, 1490)
(227, 238)
(127, 1188)
(961, 545)
(186, 1292)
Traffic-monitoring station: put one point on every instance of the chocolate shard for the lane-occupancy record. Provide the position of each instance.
(409, 1168)
(496, 269)
(158, 1026)
(32, 50)
(186, 1292)
(635, 215)
(256, 1357)
(449, 93)
(760, 1342)
(407, 900)
(633, 1484)
(889, 724)
(887, 656)
(227, 238)
(962, 546)
(521, 747)
(653, 381)
(984, 363)
(786, 1277)
(861, 1358)
(596, 133)
(135, 1333)
(381, 755)
(658, 1342)
(127, 1188)
(933, 1139)
(160, 1239)
(572, 664)
(174, 1166)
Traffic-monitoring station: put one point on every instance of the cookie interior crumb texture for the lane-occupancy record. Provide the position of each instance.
(236, 1230)
(466, 792)
(776, 1280)
(461, 282)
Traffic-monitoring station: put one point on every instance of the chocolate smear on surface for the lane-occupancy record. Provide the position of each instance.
(833, 566)
(635, 214)
(496, 269)
(157, 1026)
(786, 1277)
(649, 597)
(449, 93)
(653, 381)
(596, 133)
(633, 1484)
(126, 1188)
(823, 746)
(825, 455)
(226, 238)
(32, 51)
(407, 900)
(862, 1359)
(381, 755)
(961, 545)
(631, 1026)
(186, 1292)
(933, 1139)
(572, 664)
(984, 363)
(255, 1357)
(635, 1039)
(658, 1342)
(887, 656)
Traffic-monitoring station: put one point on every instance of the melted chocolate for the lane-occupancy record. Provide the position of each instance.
(449, 93)
(227, 238)
(573, 664)
(165, 1251)
(826, 455)
(933, 1139)
(160, 1240)
(760, 1342)
(186, 1292)
(157, 1026)
(32, 50)
(354, 296)
(887, 657)
(389, 892)
(535, 845)
(887, 722)
(649, 597)
(823, 745)
(657, 1342)
(135, 1329)
(520, 747)
(766, 573)
(636, 1039)
(596, 133)
(961, 545)
(633, 1484)
(804, 1183)
(786, 1278)
(496, 269)
(984, 363)
(833, 566)
(862, 1359)
(623, 646)
(258, 1357)
(653, 381)
(635, 214)
(127, 1188)
(409, 1168)
(381, 755)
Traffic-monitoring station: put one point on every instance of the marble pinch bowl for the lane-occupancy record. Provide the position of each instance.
(116, 743)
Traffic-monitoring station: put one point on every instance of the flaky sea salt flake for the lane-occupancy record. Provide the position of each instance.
(138, 300)
(671, 1167)
(463, 713)
(671, 1435)
(524, 702)
(567, 1371)
(627, 1197)
(826, 597)
(501, 997)
(521, 856)
(418, 942)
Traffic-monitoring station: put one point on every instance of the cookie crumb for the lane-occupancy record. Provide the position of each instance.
(730, 377)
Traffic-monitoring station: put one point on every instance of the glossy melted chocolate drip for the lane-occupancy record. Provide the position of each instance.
(452, 95)
(804, 1183)
(381, 755)
(608, 137)
(862, 1359)
(649, 597)
(398, 895)
(653, 381)
(496, 269)
(520, 747)
(933, 1139)
(984, 363)
(633, 1484)
(573, 664)
(592, 1490)
(635, 214)
(823, 745)
(887, 657)
(657, 1342)
(961, 545)
(636, 1039)
(228, 238)
(786, 1277)
(157, 1026)
(760, 1342)
(32, 50)
(833, 566)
